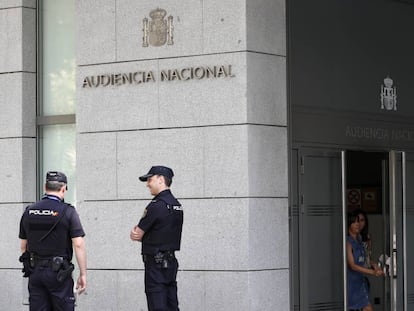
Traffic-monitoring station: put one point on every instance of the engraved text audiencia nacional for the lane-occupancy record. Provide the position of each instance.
(166, 75)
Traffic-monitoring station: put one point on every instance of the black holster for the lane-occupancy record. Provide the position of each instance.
(25, 258)
(65, 270)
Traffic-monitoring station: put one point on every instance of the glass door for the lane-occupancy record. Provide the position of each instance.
(379, 183)
(400, 268)
(318, 234)
(328, 184)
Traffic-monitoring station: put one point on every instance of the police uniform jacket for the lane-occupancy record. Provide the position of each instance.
(36, 224)
(162, 223)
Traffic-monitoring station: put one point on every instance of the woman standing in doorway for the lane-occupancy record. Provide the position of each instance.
(365, 238)
(358, 297)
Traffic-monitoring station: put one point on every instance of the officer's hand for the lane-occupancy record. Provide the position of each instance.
(136, 234)
(81, 284)
(133, 234)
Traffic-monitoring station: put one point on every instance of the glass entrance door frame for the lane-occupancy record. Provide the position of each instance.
(326, 201)
(393, 230)
(397, 183)
(398, 246)
(344, 227)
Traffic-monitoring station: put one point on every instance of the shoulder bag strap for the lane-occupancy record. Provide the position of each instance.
(54, 225)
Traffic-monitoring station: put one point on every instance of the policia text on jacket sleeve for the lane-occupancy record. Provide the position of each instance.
(159, 230)
(49, 231)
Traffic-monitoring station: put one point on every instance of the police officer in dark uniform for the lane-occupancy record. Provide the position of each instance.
(159, 230)
(49, 231)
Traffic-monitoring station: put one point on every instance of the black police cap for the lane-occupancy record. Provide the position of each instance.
(158, 170)
(56, 176)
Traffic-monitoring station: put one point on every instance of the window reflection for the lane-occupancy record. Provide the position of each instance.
(58, 153)
(58, 57)
(57, 89)
(62, 89)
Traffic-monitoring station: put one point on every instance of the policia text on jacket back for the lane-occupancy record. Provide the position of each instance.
(49, 231)
(159, 230)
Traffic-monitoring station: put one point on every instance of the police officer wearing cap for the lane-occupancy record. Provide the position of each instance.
(159, 230)
(49, 231)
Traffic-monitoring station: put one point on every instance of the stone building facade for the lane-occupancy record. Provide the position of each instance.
(205, 95)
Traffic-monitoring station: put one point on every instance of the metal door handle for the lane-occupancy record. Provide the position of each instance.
(394, 263)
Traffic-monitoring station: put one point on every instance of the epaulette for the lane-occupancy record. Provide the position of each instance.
(70, 207)
(28, 206)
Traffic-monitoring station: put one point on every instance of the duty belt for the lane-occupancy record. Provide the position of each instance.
(159, 257)
(43, 262)
(59, 264)
(52, 262)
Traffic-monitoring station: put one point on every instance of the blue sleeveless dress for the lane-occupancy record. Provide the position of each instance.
(357, 285)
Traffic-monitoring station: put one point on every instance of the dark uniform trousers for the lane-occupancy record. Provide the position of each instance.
(161, 285)
(47, 293)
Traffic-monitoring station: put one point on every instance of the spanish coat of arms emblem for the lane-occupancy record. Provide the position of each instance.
(388, 95)
(158, 31)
